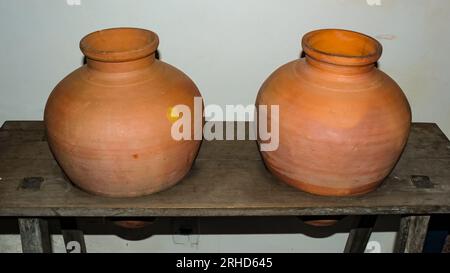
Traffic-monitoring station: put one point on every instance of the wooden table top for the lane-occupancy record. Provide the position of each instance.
(228, 179)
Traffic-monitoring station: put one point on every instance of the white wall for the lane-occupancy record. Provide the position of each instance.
(228, 47)
(267, 243)
(267, 239)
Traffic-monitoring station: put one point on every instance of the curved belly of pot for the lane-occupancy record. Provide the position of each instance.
(339, 134)
(111, 132)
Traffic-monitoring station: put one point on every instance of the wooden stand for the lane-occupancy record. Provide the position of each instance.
(228, 179)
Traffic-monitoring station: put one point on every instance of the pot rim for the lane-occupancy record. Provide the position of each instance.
(119, 44)
(374, 47)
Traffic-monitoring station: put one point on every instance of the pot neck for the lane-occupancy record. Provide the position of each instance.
(341, 51)
(120, 67)
(339, 69)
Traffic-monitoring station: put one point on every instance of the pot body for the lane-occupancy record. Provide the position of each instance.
(108, 123)
(342, 127)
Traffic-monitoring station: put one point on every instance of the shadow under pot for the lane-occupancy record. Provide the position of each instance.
(343, 123)
(109, 122)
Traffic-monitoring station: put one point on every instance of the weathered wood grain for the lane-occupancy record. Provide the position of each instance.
(359, 236)
(228, 179)
(412, 234)
(34, 235)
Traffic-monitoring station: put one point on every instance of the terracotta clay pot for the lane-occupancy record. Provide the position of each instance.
(342, 122)
(108, 123)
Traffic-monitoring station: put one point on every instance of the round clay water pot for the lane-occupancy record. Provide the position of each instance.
(109, 122)
(343, 123)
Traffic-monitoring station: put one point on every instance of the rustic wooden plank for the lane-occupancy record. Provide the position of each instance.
(446, 248)
(203, 192)
(23, 125)
(34, 235)
(426, 140)
(360, 235)
(228, 179)
(412, 234)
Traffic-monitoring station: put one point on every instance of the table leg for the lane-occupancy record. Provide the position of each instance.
(34, 235)
(412, 233)
(359, 236)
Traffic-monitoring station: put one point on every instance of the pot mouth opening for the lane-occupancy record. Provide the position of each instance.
(341, 47)
(119, 44)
